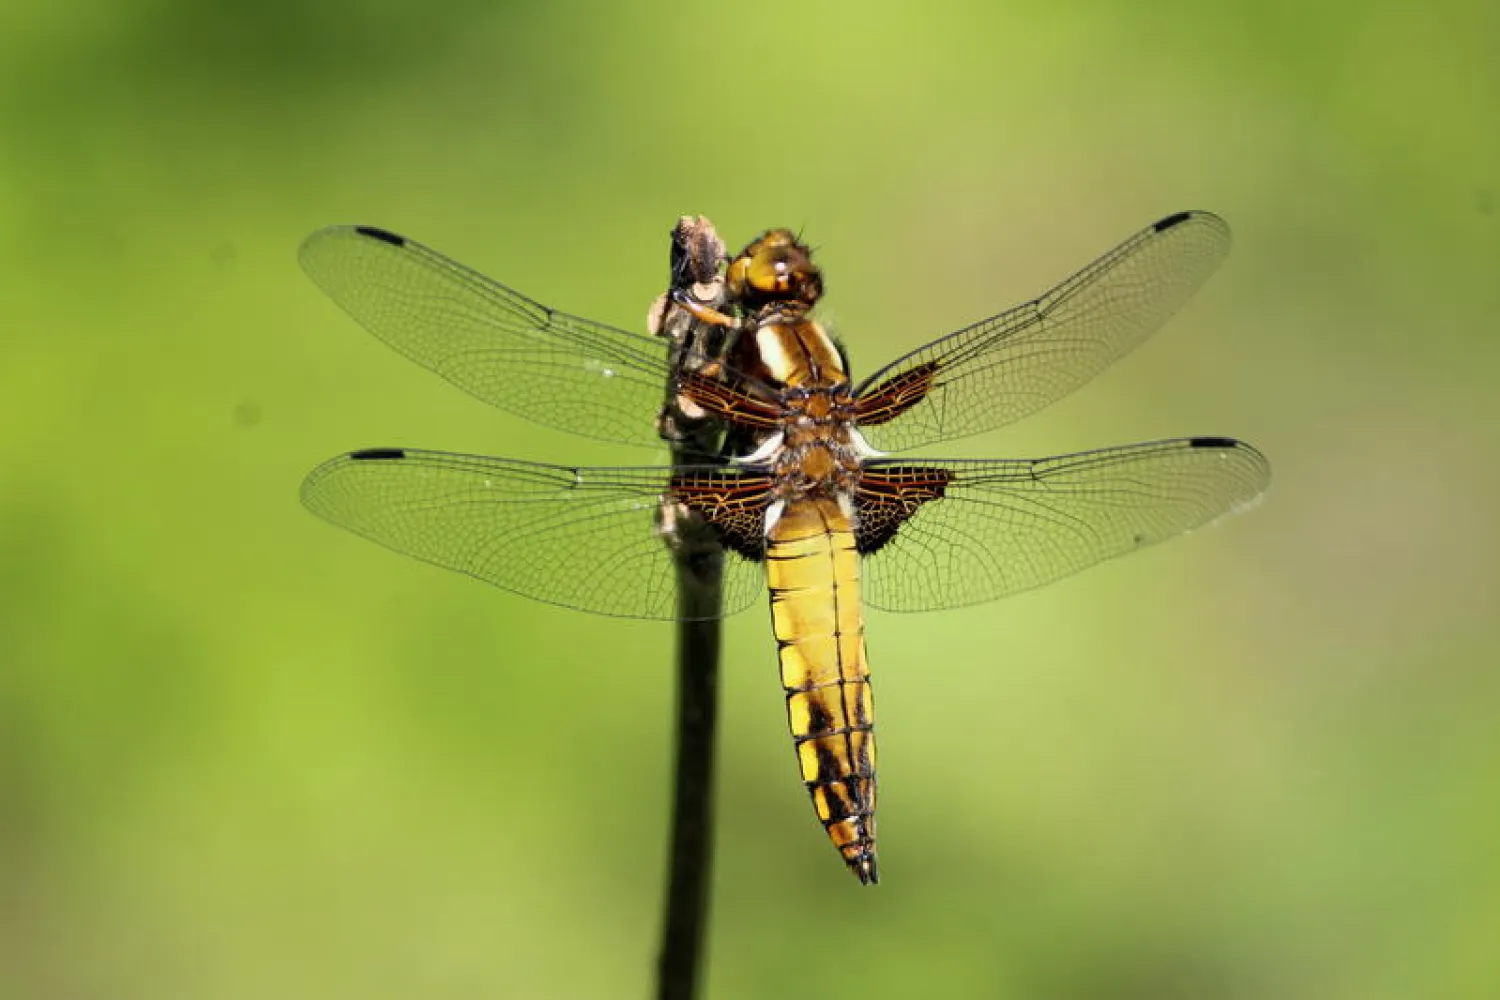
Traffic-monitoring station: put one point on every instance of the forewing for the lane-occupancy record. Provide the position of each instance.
(581, 538)
(944, 534)
(1013, 364)
(499, 345)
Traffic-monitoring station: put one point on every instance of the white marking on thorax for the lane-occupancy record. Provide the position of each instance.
(861, 446)
(767, 450)
(846, 504)
(773, 514)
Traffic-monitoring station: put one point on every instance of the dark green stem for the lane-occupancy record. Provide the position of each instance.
(698, 646)
(696, 255)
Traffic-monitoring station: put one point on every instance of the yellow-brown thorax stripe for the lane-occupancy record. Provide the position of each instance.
(799, 353)
(812, 570)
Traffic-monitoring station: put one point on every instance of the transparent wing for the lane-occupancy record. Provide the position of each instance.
(499, 345)
(1013, 364)
(999, 527)
(582, 538)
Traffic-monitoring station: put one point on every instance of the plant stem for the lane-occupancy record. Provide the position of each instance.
(698, 648)
(696, 255)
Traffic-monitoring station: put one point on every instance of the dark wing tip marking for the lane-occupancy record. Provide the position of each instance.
(1221, 443)
(383, 235)
(377, 454)
(1173, 220)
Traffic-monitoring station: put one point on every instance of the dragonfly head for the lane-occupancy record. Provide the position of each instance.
(775, 268)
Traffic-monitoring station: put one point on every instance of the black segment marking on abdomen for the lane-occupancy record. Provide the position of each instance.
(819, 719)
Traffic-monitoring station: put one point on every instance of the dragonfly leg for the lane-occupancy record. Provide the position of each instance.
(702, 313)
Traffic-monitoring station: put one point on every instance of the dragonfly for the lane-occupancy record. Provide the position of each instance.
(813, 507)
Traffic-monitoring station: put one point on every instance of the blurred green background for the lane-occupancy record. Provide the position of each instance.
(243, 754)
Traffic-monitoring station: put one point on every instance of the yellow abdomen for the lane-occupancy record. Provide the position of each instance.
(812, 570)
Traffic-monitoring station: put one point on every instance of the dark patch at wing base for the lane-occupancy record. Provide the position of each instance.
(734, 505)
(887, 497)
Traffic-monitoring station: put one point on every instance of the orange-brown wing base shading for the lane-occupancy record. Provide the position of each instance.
(725, 403)
(895, 396)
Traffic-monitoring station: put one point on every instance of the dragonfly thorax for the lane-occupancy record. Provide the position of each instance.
(814, 455)
(819, 468)
(789, 356)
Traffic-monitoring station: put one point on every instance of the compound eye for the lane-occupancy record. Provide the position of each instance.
(775, 267)
(769, 273)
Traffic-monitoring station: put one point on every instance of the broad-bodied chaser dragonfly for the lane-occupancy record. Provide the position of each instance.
(812, 510)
